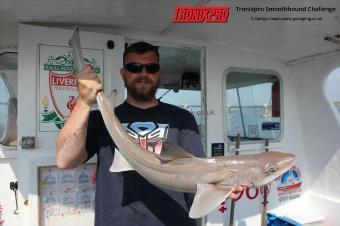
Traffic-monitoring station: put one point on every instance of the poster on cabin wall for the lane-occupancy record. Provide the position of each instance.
(58, 92)
(66, 195)
(290, 185)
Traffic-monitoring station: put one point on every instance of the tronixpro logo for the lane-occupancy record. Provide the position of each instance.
(200, 14)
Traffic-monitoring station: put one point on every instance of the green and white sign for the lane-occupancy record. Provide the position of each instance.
(58, 91)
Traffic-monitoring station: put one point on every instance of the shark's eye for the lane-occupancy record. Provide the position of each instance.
(271, 168)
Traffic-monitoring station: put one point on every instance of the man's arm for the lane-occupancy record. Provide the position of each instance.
(71, 141)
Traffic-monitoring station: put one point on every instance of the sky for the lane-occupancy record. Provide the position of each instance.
(181, 98)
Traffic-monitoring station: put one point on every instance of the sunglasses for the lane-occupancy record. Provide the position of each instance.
(137, 67)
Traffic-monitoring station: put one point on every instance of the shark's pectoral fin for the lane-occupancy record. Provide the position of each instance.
(207, 198)
(171, 152)
(119, 163)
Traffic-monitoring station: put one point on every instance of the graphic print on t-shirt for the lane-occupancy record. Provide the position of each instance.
(149, 135)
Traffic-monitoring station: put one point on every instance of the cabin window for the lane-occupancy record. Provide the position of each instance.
(332, 88)
(252, 105)
(181, 79)
(8, 112)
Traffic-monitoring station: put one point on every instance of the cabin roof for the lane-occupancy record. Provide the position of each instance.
(281, 40)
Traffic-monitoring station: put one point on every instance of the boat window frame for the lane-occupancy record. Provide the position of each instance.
(335, 105)
(11, 95)
(225, 115)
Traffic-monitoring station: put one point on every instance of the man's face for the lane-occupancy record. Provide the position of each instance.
(141, 86)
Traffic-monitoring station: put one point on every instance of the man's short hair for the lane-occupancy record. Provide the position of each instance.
(140, 48)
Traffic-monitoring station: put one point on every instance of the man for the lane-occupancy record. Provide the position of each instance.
(127, 198)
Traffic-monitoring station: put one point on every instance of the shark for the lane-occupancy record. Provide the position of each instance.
(212, 179)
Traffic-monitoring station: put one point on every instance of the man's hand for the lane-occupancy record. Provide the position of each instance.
(236, 191)
(88, 84)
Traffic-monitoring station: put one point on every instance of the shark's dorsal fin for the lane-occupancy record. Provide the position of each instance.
(207, 198)
(172, 151)
(119, 163)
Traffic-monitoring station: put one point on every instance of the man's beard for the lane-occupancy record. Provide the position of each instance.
(142, 95)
